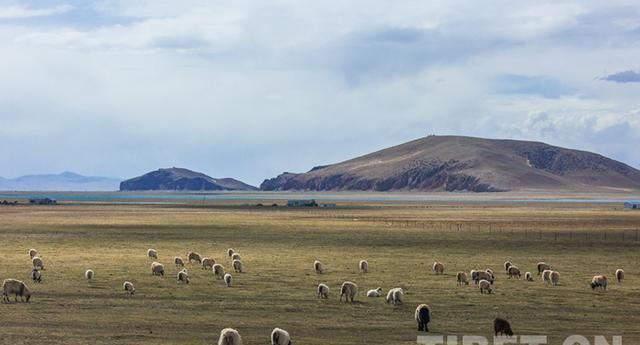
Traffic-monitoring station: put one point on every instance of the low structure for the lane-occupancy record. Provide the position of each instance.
(43, 201)
(302, 203)
(632, 205)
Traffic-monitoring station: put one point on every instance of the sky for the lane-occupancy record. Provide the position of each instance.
(249, 89)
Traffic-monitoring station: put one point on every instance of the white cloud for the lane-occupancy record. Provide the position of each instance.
(18, 12)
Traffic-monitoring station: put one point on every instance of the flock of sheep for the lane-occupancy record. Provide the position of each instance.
(484, 280)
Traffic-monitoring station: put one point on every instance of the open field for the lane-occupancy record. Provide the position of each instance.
(278, 246)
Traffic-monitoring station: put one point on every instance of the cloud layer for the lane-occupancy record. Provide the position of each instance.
(249, 89)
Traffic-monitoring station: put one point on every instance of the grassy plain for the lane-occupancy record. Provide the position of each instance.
(278, 246)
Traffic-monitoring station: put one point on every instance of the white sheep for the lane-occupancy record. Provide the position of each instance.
(183, 277)
(349, 290)
(218, 271)
(237, 266)
(374, 292)
(235, 256)
(528, 277)
(228, 279)
(280, 337)
(546, 276)
(474, 275)
(555, 278)
(600, 282)
(152, 253)
(88, 275)
(395, 296)
(513, 272)
(230, 252)
(17, 288)
(438, 267)
(461, 278)
(542, 267)
(323, 290)
(128, 288)
(507, 264)
(423, 317)
(485, 286)
(318, 267)
(36, 276)
(229, 336)
(157, 269)
(33, 253)
(193, 256)
(363, 265)
(37, 262)
(480, 275)
(207, 263)
(619, 275)
(178, 261)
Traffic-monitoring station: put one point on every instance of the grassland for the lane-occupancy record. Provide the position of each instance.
(278, 246)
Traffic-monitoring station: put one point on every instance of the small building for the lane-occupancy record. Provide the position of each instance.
(302, 203)
(327, 205)
(42, 201)
(632, 205)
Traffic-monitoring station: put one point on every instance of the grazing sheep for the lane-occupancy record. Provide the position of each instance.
(514, 272)
(183, 277)
(461, 278)
(229, 336)
(528, 277)
(230, 251)
(599, 282)
(375, 293)
(364, 266)
(36, 276)
(280, 337)
(178, 261)
(502, 326)
(228, 279)
(423, 317)
(542, 267)
(323, 291)
(395, 296)
(33, 253)
(317, 266)
(17, 288)
(474, 275)
(485, 286)
(207, 263)
(555, 278)
(237, 266)
(128, 288)
(37, 263)
(218, 271)
(152, 253)
(88, 275)
(193, 256)
(546, 276)
(484, 276)
(438, 267)
(349, 291)
(157, 269)
(507, 264)
(235, 256)
(619, 275)
(490, 271)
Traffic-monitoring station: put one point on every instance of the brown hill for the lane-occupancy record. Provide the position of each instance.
(455, 163)
(182, 180)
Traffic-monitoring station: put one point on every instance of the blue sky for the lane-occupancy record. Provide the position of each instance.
(249, 89)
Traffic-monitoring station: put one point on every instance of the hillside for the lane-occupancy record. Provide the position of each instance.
(173, 179)
(66, 181)
(455, 163)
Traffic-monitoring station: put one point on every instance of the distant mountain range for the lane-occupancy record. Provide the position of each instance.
(179, 179)
(456, 163)
(66, 181)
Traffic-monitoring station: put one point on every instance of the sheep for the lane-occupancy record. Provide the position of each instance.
(157, 269)
(128, 288)
(502, 326)
(507, 264)
(395, 296)
(438, 268)
(183, 277)
(599, 282)
(363, 265)
(228, 279)
(423, 317)
(375, 292)
(349, 291)
(280, 337)
(230, 252)
(237, 266)
(235, 256)
(514, 272)
(555, 278)
(481, 275)
(323, 291)
(178, 261)
(33, 253)
(152, 253)
(16, 287)
(490, 271)
(229, 336)
(528, 277)
(619, 275)
(485, 286)
(474, 275)
(317, 266)
(193, 256)
(546, 276)
(461, 278)
(37, 262)
(207, 263)
(542, 267)
(36, 276)
(88, 275)
(218, 271)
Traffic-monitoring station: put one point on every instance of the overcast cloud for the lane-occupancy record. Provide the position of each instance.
(248, 89)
